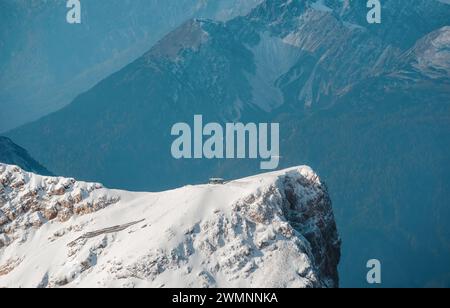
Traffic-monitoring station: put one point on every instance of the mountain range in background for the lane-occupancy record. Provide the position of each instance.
(366, 105)
(46, 62)
(12, 154)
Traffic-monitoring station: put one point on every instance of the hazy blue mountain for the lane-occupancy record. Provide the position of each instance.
(12, 154)
(46, 62)
(351, 99)
(403, 23)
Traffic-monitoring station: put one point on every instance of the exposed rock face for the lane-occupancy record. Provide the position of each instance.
(313, 217)
(273, 230)
(430, 56)
(28, 200)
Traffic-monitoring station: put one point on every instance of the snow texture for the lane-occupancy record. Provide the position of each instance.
(270, 230)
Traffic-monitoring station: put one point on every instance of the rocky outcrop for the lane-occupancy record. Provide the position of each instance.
(30, 201)
(273, 230)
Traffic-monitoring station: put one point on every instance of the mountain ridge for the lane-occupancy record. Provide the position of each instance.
(11, 153)
(350, 103)
(271, 230)
(47, 62)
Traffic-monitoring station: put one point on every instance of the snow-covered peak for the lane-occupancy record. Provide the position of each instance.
(271, 230)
